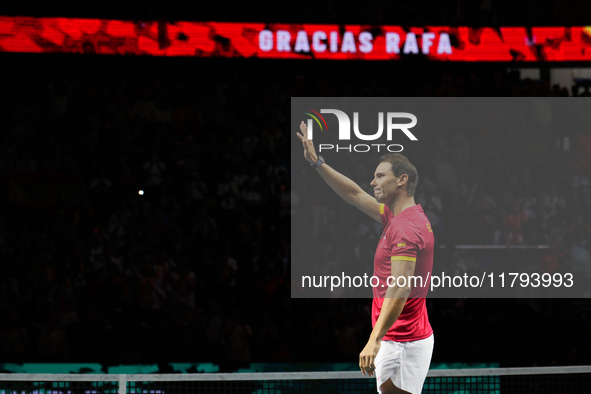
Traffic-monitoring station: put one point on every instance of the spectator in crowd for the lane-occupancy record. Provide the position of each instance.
(514, 224)
(484, 206)
(580, 233)
(553, 260)
(581, 177)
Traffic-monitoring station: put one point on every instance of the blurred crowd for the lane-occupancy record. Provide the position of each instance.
(149, 229)
(146, 216)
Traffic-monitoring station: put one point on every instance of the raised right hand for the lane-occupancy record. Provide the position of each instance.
(309, 151)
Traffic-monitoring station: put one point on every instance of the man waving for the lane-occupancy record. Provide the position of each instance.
(400, 346)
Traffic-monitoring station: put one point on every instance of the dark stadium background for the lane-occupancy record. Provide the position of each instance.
(102, 274)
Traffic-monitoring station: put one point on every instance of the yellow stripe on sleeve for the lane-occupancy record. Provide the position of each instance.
(403, 258)
(381, 209)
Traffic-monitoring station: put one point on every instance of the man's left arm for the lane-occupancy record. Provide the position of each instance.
(396, 296)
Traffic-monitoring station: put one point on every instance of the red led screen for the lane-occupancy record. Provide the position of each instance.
(294, 41)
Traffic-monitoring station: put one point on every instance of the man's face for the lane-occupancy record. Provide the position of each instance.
(384, 183)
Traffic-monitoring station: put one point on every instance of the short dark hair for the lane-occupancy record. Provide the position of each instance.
(401, 165)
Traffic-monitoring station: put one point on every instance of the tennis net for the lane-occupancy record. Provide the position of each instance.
(538, 380)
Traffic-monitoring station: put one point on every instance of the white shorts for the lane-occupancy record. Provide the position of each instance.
(406, 363)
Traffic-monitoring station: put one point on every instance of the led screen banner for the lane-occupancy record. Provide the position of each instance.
(295, 41)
